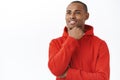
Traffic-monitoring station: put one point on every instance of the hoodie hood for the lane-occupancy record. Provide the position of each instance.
(88, 30)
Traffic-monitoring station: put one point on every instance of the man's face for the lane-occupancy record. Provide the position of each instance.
(76, 16)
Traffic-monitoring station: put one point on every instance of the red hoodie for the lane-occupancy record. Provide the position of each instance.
(87, 57)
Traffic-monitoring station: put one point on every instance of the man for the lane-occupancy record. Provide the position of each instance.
(78, 54)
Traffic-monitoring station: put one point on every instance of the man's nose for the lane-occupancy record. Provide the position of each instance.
(72, 16)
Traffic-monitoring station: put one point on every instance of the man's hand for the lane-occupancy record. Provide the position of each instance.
(64, 74)
(76, 32)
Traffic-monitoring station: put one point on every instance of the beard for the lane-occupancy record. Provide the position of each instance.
(70, 27)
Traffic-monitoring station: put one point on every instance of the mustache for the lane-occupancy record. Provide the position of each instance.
(80, 27)
(75, 26)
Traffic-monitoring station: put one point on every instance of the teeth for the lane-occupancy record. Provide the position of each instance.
(72, 22)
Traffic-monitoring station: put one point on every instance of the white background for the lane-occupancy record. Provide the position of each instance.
(27, 26)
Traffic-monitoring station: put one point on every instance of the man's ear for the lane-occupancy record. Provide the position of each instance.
(87, 16)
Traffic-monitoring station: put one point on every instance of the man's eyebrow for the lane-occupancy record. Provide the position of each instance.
(75, 10)
(68, 10)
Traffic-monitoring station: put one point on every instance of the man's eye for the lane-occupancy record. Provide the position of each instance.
(78, 12)
(68, 12)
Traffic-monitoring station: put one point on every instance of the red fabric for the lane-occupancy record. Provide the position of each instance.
(88, 57)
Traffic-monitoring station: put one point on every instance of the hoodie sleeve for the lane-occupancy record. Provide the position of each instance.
(59, 58)
(102, 71)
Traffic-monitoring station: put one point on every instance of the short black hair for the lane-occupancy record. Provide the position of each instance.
(80, 2)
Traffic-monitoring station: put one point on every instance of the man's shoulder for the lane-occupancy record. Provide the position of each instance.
(98, 40)
(59, 40)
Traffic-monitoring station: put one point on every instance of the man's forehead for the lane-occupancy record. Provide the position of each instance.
(76, 6)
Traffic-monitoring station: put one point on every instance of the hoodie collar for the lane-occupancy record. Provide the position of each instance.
(88, 31)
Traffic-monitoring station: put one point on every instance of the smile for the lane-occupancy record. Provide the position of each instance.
(72, 22)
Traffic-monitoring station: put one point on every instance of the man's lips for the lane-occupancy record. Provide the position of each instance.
(72, 22)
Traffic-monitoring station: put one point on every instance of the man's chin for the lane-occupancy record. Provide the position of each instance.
(71, 26)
